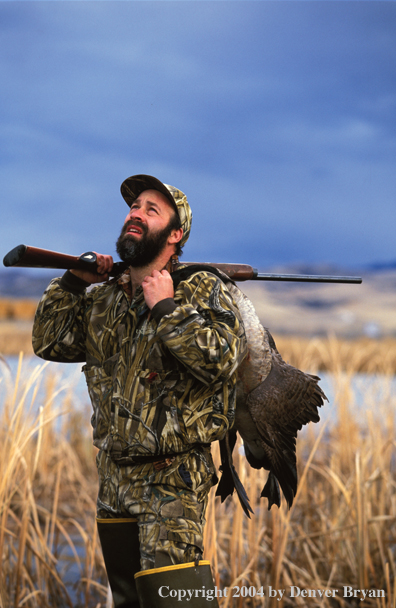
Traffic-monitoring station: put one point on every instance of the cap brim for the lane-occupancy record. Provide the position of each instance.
(136, 184)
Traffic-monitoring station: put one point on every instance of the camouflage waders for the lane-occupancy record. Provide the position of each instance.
(150, 521)
(168, 503)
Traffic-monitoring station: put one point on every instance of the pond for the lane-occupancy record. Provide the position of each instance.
(360, 390)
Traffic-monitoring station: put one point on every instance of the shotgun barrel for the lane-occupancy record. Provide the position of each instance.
(307, 278)
(33, 257)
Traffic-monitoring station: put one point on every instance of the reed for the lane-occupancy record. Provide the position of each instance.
(340, 532)
(334, 354)
(48, 543)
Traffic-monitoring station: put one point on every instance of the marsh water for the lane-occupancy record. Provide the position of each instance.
(360, 389)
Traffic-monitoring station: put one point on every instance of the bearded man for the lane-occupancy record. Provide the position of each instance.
(160, 365)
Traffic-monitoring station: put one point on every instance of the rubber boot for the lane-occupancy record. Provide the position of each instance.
(184, 585)
(120, 546)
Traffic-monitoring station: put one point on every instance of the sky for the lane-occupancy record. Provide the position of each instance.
(276, 118)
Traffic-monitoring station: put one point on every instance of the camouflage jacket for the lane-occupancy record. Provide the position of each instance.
(158, 384)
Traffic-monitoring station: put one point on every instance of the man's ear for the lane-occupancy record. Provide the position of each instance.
(175, 236)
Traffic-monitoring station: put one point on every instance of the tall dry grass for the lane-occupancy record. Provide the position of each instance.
(48, 543)
(334, 354)
(341, 530)
(21, 309)
(15, 337)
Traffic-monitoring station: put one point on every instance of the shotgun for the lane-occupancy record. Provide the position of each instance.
(33, 257)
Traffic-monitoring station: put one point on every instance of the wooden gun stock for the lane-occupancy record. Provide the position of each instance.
(33, 257)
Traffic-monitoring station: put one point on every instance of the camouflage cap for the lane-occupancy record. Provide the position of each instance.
(134, 185)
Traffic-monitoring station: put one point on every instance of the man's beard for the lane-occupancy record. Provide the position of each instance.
(140, 253)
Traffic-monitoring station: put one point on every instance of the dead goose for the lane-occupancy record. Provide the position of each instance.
(274, 401)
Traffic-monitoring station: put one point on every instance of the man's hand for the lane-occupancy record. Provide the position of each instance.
(157, 287)
(104, 266)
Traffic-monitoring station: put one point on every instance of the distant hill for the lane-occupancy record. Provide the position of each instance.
(22, 283)
(308, 309)
(313, 309)
(381, 266)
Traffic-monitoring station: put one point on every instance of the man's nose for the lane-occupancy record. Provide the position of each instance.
(136, 214)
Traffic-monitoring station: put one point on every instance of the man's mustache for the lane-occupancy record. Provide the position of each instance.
(135, 223)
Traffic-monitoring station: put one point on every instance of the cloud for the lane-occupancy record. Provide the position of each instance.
(276, 118)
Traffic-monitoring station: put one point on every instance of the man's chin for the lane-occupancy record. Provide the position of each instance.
(126, 251)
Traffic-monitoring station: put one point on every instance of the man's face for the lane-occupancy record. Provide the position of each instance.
(146, 230)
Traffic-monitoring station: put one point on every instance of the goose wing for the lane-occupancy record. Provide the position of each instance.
(279, 407)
